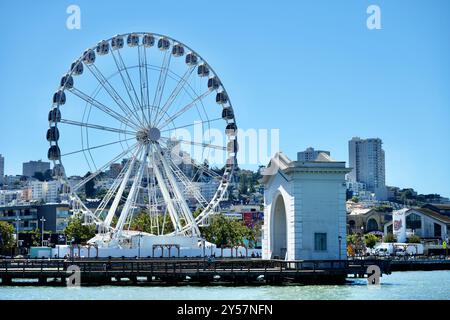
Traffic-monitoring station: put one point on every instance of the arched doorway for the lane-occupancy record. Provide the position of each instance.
(279, 229)
(372, 225)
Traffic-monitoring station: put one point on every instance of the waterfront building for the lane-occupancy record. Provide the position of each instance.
(423, 222)
(367, 161)
(367, 220)
(2, 169)
(56, 216)
(30, 168)
(304, 209)
(310, 154)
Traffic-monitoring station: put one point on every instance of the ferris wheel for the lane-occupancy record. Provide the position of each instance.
(130, 112)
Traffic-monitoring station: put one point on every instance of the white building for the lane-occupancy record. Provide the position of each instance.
(47, 191)
(304, 209)
(422, 222)
(366, 158)
(2, 168)
(310, 154)
(8, 197)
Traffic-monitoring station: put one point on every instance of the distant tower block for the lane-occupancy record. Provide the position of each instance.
(305, 213)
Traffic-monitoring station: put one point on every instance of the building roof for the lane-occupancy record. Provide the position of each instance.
(360, 211)
(281, 163)
(427, 212)
(433, 214)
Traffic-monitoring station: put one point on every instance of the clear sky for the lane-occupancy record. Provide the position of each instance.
(310, 68)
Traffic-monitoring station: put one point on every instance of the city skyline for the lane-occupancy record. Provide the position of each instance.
(345, 79)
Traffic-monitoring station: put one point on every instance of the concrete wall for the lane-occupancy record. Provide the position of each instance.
(314, 199)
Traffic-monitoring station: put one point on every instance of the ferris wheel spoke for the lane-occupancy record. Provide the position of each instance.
(192, 124)
(161, 83)
(189, 187)
(113, 93)
(200, 167)
(175, 92)
(185, 108)
(96, 147)
(96, 126)
(143, 77)
(100, 106)
(200, 144)
(103, 168)
(126, 79)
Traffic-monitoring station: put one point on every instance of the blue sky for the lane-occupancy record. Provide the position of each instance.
(310, 68)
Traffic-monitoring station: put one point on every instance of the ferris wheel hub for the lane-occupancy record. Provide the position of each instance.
(148, 135)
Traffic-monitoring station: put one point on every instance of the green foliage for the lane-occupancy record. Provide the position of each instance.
(36, 237)
(351, 238)
(6, 236)
(225, 232)
(81, 233)
(142, 222)
(355, 199)
(370, 240)
(414, 239)
(390, 238)
(383, 208)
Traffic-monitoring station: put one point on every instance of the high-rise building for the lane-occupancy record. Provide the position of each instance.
(2, 168)
(31, 167)
(366, 158)
(310, 154)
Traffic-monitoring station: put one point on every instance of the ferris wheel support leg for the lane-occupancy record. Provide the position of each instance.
(167, 199)
(184, 207)
(115, 204)
(127, 208)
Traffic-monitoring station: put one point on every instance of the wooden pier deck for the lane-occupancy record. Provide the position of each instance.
(176, 271)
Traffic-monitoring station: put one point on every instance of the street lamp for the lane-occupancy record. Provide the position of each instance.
(42, 239)
(139, 245)
(17, 229)
(340, 239)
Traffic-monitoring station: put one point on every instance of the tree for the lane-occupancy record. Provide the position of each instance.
(39, 175)
(414, 239)
(225, 232)
(355, 199)
(78, 231)
(89, 187)
(370, 240)
(390, 238)
(6, 236)
(36, 237)
(351, 238)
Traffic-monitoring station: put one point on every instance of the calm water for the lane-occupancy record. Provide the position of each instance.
(399, 285)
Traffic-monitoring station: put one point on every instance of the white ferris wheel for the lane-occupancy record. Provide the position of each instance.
(121, 107)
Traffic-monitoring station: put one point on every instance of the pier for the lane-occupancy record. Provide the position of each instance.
(174, 271)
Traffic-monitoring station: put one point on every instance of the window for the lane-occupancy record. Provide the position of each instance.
(320, 241)
(413, 221)
(437, 230)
